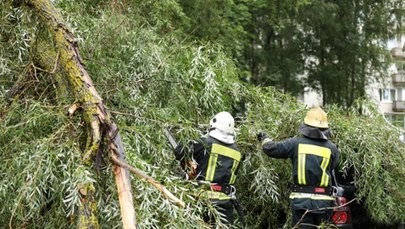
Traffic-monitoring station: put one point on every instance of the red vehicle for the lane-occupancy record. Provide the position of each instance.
(354, 214)
(342, 217)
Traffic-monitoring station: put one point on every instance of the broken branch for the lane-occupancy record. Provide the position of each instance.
(150, 180)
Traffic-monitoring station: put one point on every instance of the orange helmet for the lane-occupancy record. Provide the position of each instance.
(316, 117)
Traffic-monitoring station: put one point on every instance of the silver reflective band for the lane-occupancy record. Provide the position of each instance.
(313, 196)
(267, 139)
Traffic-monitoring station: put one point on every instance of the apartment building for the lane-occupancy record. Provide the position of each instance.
(390, 94)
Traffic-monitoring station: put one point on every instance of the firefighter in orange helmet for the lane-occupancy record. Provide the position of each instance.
(313, 158)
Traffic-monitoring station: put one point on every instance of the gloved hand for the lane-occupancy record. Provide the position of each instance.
(261, 136)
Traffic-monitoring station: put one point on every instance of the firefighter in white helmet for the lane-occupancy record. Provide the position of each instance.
(218, 159)
(313, 158)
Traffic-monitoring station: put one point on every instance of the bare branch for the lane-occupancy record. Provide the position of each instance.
(150, 180)
(320, 209)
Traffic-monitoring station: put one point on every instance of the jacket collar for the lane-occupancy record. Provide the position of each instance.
(314, 132)
(222, 136)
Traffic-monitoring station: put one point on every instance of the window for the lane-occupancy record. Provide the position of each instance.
(387, 95)
(401, 94)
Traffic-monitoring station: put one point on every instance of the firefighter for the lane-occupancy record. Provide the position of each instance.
(217, 158)
(313, 158)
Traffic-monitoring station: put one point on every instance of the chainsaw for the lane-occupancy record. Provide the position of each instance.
(188, 166)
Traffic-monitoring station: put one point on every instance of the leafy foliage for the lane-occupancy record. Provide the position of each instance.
(369, 154)
(152, 76)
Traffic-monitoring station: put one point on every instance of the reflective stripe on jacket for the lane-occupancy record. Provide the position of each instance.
(313, 160)
(214, 195)
(217, 162)
(298, 195)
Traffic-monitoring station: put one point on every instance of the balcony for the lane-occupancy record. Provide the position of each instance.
(398, 53)
(398, 105)
(398, 78)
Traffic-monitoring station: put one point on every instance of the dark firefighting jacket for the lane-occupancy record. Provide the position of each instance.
(217, 162)
(313, 158)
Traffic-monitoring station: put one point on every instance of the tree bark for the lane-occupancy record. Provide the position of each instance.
(96, 115)
(48, 58)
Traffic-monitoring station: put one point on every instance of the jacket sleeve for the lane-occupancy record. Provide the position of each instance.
(282, 149)
(336, 158)
(191, 149)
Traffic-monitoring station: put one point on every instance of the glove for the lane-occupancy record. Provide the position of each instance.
(261, 136)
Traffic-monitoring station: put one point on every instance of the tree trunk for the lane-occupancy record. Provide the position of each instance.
(48, 58)
(96, 116)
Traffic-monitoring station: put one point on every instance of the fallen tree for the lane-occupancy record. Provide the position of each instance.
(150, 80)
(63, 60)
(101, 128)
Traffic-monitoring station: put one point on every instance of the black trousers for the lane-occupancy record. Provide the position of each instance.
(310, 220)
(225, 208)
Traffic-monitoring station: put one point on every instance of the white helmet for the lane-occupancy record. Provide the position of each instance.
(223, 121)
(222, 127)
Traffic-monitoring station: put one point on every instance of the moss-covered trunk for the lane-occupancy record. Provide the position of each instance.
(102, 128)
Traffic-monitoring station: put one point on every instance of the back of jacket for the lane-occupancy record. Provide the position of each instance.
(217, 162)
(313, 159)
(313, 162)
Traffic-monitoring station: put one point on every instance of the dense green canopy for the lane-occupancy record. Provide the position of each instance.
(151, 75)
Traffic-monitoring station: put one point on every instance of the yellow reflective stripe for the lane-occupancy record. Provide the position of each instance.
(325, 153)
(225, 151)
(298, 195)
(301, 168)
(325, 176)
(314, 150)
(216, 150)
(215, 195)
(233, 176)
(209, 176)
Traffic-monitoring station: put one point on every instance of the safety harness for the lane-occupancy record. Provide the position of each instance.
(311, 192)
(225, 192)
(228, 189)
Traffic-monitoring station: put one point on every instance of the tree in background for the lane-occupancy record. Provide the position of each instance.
(273, 56)
(262, 36)
(337, 48)
(345, 44)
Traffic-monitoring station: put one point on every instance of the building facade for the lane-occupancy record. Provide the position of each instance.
(390, 95)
